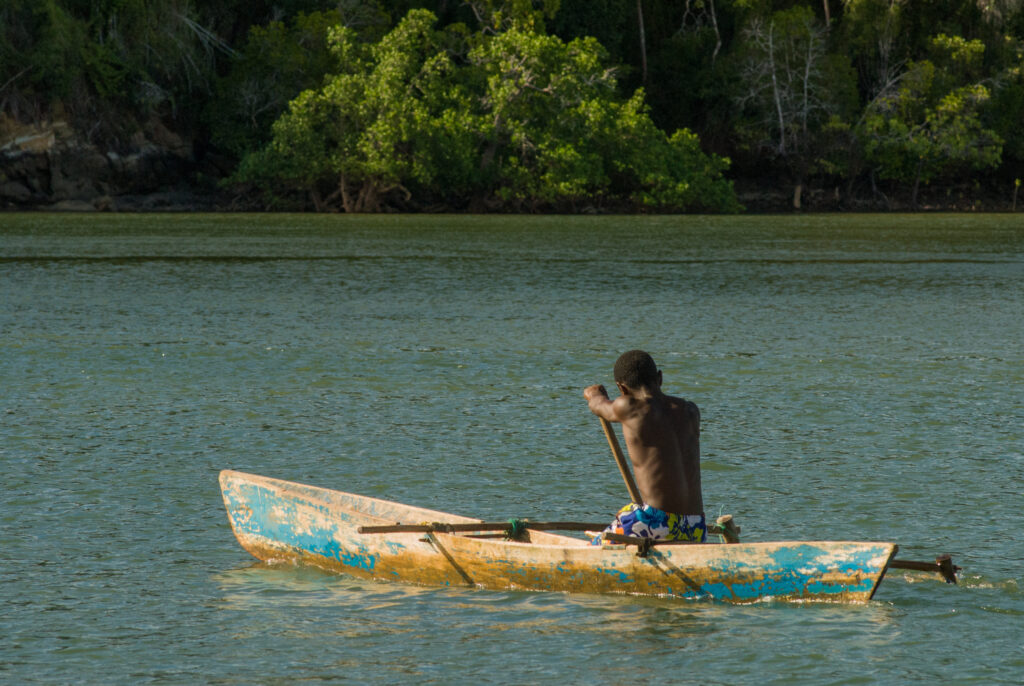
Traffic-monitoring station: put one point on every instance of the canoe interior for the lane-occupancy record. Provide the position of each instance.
(279, 520)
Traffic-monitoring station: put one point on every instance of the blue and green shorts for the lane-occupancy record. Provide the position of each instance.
(644, 521)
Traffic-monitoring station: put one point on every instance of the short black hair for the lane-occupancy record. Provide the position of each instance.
(635, 369)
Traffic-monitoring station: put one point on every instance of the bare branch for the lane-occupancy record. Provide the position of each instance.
(15, 78)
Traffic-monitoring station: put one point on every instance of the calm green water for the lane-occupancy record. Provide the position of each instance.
(860, 378)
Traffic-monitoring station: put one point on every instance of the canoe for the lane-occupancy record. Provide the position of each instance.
(283, 521)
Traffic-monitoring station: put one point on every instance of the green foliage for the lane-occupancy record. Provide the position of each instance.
(1005, 111)
(795, 96)
(956, 59)
(277, 63)
(1006, 116)
(916, 135)
(57, 64)
(527, 106)
(527, 120)
(382, 121)
(870, 33)
(691, 86)
(1015, 22)
(108, 64)
(610, 22)
(539, 96)
(502, 15)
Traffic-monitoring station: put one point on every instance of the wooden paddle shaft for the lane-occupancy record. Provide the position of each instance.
(620, 459)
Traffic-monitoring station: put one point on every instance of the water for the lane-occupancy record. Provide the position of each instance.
(860, 378)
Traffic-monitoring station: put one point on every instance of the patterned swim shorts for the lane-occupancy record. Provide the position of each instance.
(645, 521)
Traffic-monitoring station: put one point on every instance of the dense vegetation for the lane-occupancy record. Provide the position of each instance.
(543, 104)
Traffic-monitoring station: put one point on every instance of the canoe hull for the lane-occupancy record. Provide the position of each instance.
(283, 521)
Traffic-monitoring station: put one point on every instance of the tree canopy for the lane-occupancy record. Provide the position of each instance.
(653, 105)
(514, 119)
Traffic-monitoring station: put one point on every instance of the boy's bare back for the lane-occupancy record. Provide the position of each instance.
(662, 435)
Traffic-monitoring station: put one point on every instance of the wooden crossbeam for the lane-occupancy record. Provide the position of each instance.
(467, 527)
(725, 527)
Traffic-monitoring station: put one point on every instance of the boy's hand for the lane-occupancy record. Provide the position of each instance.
(595, 390)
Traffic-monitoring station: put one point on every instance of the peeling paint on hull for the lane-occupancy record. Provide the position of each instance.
(283, 521)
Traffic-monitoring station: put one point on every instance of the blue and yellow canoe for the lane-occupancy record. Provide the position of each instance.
(282, 521)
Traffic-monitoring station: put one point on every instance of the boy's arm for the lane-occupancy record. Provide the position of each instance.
(600, 404)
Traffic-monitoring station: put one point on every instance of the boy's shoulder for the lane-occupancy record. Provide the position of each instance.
(683, 404)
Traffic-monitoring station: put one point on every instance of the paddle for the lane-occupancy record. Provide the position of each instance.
(620, 459)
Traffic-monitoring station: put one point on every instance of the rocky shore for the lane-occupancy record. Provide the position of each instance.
(49, 167)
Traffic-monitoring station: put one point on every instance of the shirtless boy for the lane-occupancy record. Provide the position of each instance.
(662, 435)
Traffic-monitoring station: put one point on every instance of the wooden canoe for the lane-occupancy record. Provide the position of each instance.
(284, 521)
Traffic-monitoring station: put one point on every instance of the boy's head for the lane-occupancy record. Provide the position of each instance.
(636, 369)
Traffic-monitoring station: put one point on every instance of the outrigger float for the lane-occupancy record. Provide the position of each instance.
(377, 539)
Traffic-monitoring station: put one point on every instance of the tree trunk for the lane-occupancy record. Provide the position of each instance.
(368, 197)
(776, 89)
(876, 192)
(643, 41)
(346, 199)
(917, 185)
(318, 202)
(718, 35)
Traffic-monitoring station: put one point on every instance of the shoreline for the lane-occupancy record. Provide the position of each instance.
(765, 203)
(50, 169)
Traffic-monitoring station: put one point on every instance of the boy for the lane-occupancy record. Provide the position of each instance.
(662, 435)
